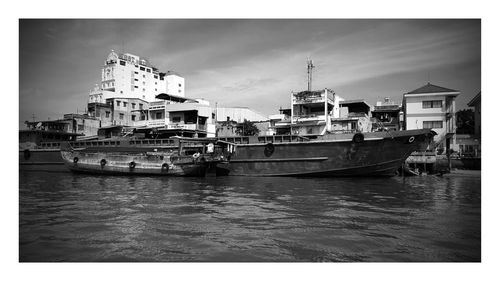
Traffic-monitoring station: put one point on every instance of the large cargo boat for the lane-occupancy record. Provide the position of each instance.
(369, 154)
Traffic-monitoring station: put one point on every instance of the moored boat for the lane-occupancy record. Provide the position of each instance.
(359, 154)
(126, 160)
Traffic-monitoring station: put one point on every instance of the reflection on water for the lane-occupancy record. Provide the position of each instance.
(71, 217)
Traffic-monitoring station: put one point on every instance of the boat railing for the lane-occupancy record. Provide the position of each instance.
(50, 145)
(265, 139)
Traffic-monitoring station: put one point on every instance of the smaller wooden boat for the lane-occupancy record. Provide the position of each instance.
(169, 162)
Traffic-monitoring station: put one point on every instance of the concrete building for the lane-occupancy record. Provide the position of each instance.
(354, 117)
(118, 111)
(476, 103)
(130, 76)
(74, 125)
(432, 107)
(387, 116)
(470, 145)
(173, 115)
(312, 111)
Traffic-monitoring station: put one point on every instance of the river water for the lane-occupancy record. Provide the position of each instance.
(72, 217)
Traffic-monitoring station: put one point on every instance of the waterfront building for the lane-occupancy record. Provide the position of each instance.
(354, 117)
(387, 115)
(312, 111)
(432, 107)
(470, 145)
(130, 76)
(70, 127)
(280, 124)
(118, 111)
(476, 104)
(173, 115)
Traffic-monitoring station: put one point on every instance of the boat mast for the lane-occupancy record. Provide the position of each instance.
(310, 67)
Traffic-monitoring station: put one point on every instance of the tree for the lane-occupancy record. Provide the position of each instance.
(465, 121)
(247, 128)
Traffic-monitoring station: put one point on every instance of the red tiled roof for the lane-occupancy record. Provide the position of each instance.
(430, 88)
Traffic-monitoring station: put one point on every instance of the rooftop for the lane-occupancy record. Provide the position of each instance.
(475, 100)
(430, 88)
(174, 98)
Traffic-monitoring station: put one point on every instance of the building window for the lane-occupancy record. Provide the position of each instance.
(121, 116)
(432, 104)
(107, 114)
(133, 105)
(156, 76)
(80, 127)
(122, 62)
(143, 89)
(156, 90)
(141, 68)
(158, 115)
(180, 85)
(140, 106)
(433, 124)
(117, 103)
(133, 117)
(124, 104)
(136, 87)
(121, 92)
(136, 72)
(156, 83)
(143, 82)
(176, 119)
(136, 79)
(148, 70)
(143, 76)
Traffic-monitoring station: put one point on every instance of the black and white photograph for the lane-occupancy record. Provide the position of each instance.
(240, 140)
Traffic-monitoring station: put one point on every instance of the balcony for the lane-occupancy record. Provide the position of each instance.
(308, 117)
(156, 123)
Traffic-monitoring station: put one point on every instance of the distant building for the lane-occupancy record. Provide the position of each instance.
(279, 124)
(173, 115)
(130, 76)
(312, 111)
(354, 117)
(432, 107)
(476, 103)
(470, 145)
(387, 115)
(70, 127)
(118, 111)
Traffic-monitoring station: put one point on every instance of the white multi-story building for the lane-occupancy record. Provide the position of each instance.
(130, 76)
(312, 111)
(432, 107)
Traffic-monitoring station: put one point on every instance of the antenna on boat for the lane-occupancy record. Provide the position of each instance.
(310, 67)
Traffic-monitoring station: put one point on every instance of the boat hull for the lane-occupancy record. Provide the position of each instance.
(378, 154)
(133, 164)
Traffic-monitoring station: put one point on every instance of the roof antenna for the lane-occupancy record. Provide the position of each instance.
(310, 67)
(428, 78)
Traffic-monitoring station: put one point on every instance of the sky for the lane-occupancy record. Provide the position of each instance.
(250, 62)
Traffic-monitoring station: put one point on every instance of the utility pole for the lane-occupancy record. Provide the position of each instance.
(310, 67)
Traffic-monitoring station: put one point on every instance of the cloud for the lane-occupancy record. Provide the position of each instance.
(255, 63)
